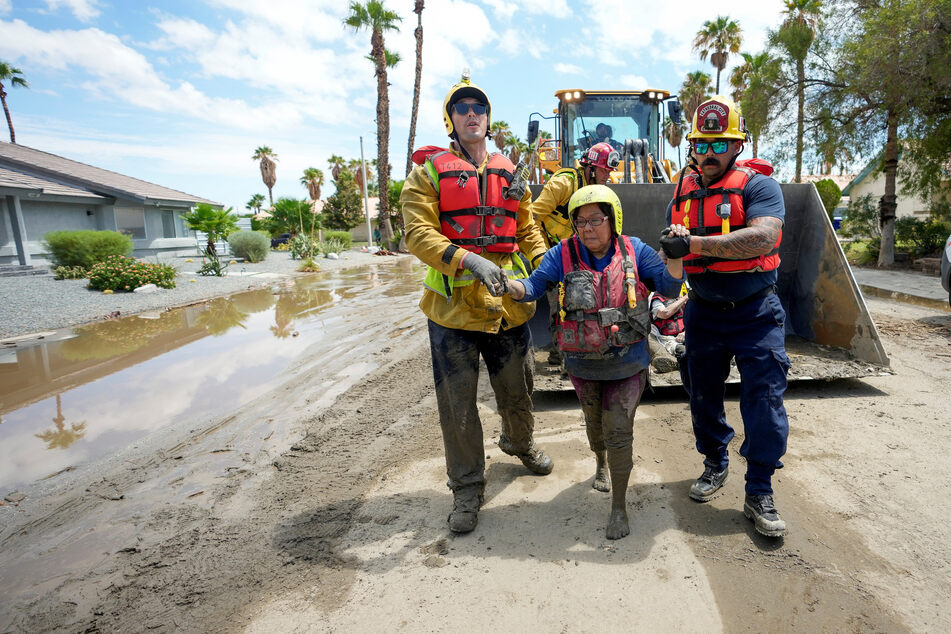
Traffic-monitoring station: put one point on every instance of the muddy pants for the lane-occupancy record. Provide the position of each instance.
(753, 333)
(609, 408)
(456, 372)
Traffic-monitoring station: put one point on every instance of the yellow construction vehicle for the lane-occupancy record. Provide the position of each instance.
(830, 333)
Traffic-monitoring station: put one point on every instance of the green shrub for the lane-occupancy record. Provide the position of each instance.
(830, 194)
(861, 219)
(85, 248)
(69, 273)
(118, 273)
(253, 246)
(924, 237)
(302, 246)
(332, 245)
(343, 237)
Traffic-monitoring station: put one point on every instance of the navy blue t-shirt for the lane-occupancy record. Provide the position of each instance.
(761, 197)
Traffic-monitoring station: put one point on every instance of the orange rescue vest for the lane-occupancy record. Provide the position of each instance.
(473, 213)
(722, 208)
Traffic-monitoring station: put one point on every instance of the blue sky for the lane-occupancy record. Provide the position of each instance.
(181, 92)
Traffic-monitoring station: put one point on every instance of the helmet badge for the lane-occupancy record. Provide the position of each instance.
(713, 117)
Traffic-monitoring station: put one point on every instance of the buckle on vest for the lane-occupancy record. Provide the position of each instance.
(608, 316)
(482, 210)
(462, 180)
(724, 210)
(484, 241)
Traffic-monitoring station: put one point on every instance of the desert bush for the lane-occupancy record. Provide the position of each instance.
(253, 246)
(302, 246)
(118, 273)
(343, 237)
(85, 248)
(69, 273)
(331, 245)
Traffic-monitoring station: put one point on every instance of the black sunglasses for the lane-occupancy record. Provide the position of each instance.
(464, 108)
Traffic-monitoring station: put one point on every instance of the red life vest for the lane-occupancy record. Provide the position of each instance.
(673, 325)
(472, 211)
(728, 191)
(591, 302)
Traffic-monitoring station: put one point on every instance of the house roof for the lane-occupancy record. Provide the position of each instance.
(96, 179)
(13, 179)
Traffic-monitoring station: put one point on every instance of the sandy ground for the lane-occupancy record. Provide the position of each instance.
(321, 507)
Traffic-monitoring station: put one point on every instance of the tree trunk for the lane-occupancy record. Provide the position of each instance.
(6, 111)
(755, 147)
(419, 75)
(800, 115)
(382, 134)
(888, 202)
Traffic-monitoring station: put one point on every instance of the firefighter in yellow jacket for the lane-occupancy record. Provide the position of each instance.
(460, 223)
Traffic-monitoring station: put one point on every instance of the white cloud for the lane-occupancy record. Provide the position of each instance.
(84, 10)
(514, 42)
(634, 82)
(506, 9)
(568, 69)
(5, 6)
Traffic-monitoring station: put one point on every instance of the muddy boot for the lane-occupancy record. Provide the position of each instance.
(554, 356)
(766, 519)
(465, 509)
(535, 460)
(661, 360)
(708, 484)
(602, 481)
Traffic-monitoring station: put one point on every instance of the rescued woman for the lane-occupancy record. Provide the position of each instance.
(604, 279)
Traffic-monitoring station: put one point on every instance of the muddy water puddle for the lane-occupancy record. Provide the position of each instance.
(89, 391)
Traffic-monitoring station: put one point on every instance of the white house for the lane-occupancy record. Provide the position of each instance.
(42, 192)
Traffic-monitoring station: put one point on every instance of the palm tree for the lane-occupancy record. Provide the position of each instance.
(500, 132)
(336, 163)
(673, 132)
(312, 179)
(268, 169)
(215, 223)
(418, 10)
(752, 83)
(694, 91)
(15, 77)
(374, 17)
(255, 202)
(718, 38)
(795, 36)
(516, 148)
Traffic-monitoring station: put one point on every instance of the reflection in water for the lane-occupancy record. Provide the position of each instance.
(61, 437)
(138, 374)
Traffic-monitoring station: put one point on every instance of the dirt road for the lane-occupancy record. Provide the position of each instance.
(321, 507)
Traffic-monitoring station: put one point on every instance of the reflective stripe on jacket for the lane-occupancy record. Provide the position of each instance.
(722, 208)
(592, 303)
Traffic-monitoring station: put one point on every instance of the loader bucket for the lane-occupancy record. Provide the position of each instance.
(829, 332)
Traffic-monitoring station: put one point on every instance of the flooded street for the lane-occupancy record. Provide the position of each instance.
(93, 390)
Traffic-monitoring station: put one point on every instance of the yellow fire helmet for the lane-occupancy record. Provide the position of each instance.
(463, 89)
(718, 118)
(597, 194)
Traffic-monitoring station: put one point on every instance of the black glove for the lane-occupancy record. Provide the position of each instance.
(489, 274)
(675, 247)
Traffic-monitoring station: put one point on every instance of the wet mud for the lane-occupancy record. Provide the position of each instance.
(337, 522)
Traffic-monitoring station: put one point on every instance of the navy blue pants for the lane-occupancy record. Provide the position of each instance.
(754, 334)
(455, 356)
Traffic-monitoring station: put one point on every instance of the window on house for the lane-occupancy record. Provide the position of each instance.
(168, 223)
(131, 222)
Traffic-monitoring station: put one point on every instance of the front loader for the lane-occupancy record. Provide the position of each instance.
(829, 331)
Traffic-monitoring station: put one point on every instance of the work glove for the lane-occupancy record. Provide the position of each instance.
(489, 274)
(675, 247)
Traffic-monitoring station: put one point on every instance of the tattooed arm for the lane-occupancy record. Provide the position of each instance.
(758, 238)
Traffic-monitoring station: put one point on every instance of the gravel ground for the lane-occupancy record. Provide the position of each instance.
(33, 304)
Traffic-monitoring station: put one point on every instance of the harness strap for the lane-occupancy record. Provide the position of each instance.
(478, 211)
(482, 241)
(499, 171)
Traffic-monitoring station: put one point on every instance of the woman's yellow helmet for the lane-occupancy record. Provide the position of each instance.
(602, 195)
